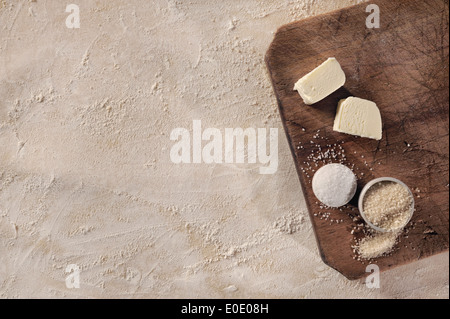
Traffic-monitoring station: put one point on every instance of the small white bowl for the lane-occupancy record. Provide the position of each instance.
(369, 186)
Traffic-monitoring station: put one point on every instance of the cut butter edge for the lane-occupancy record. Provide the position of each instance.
(359, 117)
(321, 82)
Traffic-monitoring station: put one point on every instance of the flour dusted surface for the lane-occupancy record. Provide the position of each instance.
(85, 175)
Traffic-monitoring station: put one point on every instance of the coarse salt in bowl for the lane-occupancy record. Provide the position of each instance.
(389, 209)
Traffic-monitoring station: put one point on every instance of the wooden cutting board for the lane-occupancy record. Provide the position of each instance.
(403, 67)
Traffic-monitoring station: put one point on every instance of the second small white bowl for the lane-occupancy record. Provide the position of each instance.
(369, 186)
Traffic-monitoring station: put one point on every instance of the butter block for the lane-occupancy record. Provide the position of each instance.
(321, 82)
(359, 117)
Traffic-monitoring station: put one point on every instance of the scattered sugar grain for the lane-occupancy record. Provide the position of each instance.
(377, 245)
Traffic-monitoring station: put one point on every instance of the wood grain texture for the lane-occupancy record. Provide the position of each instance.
(403, 67)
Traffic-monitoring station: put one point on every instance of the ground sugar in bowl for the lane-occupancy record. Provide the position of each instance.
(387, 204)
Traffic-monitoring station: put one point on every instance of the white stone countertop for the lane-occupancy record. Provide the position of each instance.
(86, 176)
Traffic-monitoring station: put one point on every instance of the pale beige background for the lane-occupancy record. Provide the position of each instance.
(85, 172)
